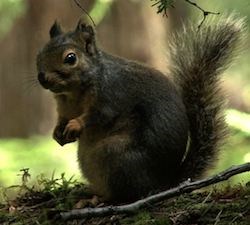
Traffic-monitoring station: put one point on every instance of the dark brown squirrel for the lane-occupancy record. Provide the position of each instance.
(139, 131)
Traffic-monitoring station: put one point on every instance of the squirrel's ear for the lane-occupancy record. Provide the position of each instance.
(87, 35)
(55, 30)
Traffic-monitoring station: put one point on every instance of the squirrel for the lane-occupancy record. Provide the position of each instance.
(139, 130)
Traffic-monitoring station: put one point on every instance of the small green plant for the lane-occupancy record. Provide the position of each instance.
(53, 184)
(57, 193)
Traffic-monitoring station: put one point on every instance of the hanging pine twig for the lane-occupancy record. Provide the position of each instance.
(85, 11)
(164, 5)
(205, 13)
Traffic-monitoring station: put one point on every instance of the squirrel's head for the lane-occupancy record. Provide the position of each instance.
(66, 61)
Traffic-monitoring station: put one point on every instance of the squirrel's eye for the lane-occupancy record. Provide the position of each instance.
(70, 59)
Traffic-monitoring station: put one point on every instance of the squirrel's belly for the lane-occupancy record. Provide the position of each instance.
(100, 162)
(117, 171)
(90, 163)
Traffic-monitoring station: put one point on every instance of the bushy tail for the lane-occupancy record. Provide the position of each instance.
(198, 57)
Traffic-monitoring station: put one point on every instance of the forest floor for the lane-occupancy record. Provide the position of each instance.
(229, 206)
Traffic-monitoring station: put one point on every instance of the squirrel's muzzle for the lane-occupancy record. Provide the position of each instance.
(42, 80)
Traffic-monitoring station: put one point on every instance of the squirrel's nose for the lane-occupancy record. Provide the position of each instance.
(42, 79)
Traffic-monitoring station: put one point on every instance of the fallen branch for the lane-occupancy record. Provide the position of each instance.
(185, 187)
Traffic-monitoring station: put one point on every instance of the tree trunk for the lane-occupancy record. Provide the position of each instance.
(132, 29)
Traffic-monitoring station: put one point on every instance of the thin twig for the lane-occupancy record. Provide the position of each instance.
(185, 187)
(85, 11)
(208, 196)
(217, 219)
(205, 13)
(240, 215)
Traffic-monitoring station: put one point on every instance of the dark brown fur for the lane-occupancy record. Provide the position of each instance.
(131, 121)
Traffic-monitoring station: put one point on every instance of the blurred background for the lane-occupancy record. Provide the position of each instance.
(129, 28)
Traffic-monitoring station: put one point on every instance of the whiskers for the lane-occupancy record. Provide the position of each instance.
(30, 83)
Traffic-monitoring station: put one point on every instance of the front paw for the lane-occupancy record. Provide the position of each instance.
(72, 130)
(58, 134)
